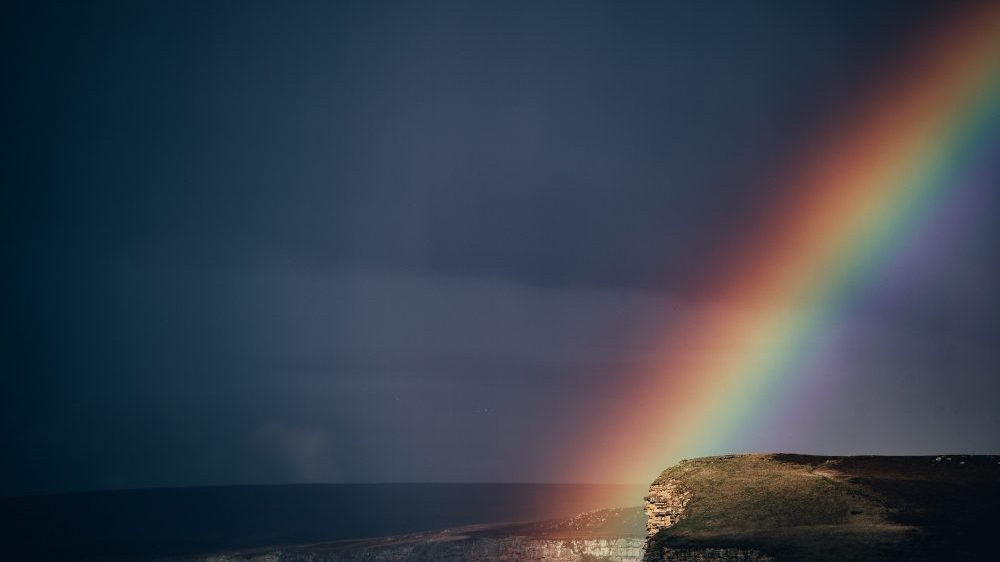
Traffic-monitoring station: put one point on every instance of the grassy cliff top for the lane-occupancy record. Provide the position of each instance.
(801, 507)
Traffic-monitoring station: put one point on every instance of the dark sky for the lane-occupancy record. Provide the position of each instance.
(319, 241)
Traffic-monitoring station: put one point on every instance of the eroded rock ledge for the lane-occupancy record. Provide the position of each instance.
(456, 549)
(711, 555)
(665, 504)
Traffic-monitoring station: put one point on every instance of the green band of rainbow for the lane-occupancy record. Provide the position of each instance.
(849, 212)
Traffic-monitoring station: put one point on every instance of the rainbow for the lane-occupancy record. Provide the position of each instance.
(852, 206)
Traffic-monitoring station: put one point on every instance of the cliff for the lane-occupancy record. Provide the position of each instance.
(607, 535)
(459, 548)
(820, 508)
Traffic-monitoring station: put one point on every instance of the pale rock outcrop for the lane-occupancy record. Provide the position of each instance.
(665, 504)
(460, 549)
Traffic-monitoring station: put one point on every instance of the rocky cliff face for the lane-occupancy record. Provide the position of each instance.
(456, 549)
(665, 504)
(708, 555)
(605, 535)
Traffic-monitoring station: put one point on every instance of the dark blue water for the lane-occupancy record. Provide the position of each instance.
(143, 524)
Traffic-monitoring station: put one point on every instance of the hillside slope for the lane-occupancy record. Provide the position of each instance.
(818, 508)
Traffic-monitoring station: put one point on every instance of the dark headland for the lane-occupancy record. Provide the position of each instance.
(818, 508)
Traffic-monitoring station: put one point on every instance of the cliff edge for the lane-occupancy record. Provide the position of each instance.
(786, 507)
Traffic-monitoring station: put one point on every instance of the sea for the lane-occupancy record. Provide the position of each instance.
(151, 523)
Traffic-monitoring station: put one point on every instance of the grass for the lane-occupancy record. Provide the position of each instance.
(812, 508)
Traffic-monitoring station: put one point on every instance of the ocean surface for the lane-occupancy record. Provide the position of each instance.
(145, 524)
